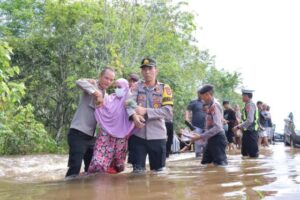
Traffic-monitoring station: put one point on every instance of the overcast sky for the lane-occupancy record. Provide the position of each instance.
(260, 39)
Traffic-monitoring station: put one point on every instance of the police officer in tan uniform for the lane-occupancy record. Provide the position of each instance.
(155, 105)
(249, 126)
(214, 134)
(81, 137)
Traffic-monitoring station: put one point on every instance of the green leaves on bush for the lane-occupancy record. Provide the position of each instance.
(20, 133)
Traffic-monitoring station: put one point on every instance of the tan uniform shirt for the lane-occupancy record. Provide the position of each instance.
(84, 119)
(159, 103)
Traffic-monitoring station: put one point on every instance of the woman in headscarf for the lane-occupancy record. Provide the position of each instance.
(111, 144)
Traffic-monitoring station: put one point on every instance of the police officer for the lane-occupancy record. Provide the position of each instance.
(155, 104)
(81, 137)
(249, 126)
(214, 134)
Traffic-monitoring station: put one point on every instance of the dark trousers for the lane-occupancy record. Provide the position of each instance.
(81, 148)
(249, 144)
(229, 136)
(156, 150)
(129, 147)
(214, 151)
(170, 132)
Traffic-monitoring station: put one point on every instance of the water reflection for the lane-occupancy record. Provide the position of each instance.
(273, 176)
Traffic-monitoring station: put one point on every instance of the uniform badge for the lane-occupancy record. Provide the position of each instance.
(146, 62)
(156, 102)
(156, 105)
(157, 89)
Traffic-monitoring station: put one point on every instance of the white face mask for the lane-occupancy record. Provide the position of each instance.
(120, 92)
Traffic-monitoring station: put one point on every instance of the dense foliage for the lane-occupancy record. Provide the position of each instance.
(20, 132)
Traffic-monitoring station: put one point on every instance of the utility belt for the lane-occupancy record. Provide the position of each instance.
(252, 127)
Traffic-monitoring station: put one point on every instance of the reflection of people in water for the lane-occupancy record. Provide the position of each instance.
(110, 148)
(105, 186)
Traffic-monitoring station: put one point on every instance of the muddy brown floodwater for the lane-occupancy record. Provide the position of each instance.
(274, 175)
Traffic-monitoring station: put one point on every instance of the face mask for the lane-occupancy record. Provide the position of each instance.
(120, 92)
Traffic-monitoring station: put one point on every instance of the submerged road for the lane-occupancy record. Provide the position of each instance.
(274, 175)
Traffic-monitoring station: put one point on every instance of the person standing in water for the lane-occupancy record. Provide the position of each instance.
(196, 115)
(250, 124)
(214, 133)
(155, 104)
(111, 144)
(81, 137)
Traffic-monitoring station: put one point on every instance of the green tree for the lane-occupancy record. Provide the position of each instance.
(19, 131)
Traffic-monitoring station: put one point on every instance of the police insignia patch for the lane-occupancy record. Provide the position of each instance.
(157, 89)
(146, 62)
(156, 105)
(167, 95)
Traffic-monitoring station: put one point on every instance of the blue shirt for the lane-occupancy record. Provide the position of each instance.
(198, 115)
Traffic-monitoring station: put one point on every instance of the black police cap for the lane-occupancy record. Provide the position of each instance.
(148, 62)
(225, 102)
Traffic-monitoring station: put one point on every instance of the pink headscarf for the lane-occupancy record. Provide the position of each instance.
(112, 116)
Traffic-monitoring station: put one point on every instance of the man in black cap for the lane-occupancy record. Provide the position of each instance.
(250, 125)
(214, 134)
(155, 105)
(133, 79)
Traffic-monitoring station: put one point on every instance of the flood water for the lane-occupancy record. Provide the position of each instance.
(274, 175)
